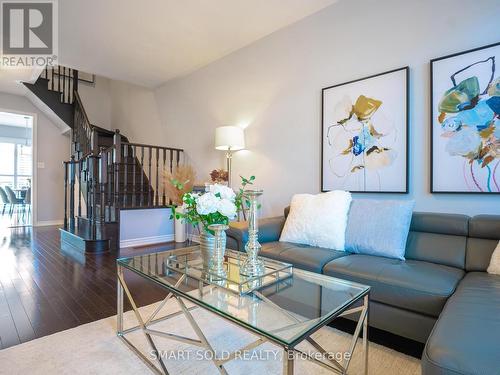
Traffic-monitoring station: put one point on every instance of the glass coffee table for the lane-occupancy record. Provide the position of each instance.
(285, 307)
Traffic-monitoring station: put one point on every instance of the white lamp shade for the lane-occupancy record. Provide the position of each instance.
(229, 137)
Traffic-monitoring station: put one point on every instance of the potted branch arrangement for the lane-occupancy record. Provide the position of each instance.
(177, 184)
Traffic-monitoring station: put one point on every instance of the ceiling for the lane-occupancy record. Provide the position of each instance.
(151, 42)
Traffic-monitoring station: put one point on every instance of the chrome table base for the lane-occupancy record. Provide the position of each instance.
(289, 353)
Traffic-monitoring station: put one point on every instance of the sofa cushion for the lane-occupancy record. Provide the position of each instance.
(274, 249)
(494, 267)
(453, 224)
(479, 251)
(378, 227)
(465, 339)
(318, 220)
(438, 238)
(484, 234)
(485, 226)
(306, 257)
(414, 285)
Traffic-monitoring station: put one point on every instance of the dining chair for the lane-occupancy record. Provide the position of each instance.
(4, 198)
(27, 200)
(13, 200)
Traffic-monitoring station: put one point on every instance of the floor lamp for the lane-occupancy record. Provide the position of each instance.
(229, 139)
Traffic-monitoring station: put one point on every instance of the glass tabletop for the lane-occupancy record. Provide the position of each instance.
(190, 261)
(285, 306)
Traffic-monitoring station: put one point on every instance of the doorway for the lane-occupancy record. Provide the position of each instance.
(16, 169)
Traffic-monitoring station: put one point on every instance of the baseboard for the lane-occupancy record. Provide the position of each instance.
(47, 223)
(146, 240)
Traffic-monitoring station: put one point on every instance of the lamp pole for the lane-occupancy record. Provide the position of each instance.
(229, 157)
(229, 139)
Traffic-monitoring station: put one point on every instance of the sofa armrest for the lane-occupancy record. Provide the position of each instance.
(269, 231)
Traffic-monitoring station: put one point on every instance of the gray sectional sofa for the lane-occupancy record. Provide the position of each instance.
(441, 295)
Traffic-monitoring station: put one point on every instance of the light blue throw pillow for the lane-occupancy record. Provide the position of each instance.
(378, 227)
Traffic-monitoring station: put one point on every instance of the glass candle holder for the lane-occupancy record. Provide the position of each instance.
(217, 262)
(253, 265)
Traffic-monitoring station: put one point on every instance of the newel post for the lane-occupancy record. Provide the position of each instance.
(103, 181)
(117, 159)
(94, 142)
(72, 192)
(117, 142)
(65, 164)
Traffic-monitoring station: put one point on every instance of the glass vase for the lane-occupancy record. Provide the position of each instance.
(213, 248)
(253, 265)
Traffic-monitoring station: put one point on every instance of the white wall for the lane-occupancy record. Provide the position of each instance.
(135, 113)
(274, 87)
(96, 100)
(114, 104)
(52, 150)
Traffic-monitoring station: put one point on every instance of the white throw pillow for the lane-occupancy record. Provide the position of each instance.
(318, 220)
(494, 267)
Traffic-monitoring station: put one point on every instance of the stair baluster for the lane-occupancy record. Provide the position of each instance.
(75, 85)
(117, 162)
(157, 177)
(87, 184)
(72, 192)
(79, 164)
(142, 178)
(63, 83)
(163, 185)
(150, 187)
(65, 223)
(171, 162)
(125, 175)
(110, 187)
(95, 188)
(134, 176)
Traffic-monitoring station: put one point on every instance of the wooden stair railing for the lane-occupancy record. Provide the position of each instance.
(62, 80)
(81, 136)
(123, 176)
(106, 172)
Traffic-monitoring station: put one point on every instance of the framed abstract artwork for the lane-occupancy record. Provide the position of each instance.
(465, 120)
(364, 134)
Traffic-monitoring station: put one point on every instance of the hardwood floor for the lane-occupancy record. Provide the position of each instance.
(43, 290)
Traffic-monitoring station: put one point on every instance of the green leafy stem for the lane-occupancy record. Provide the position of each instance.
(191, 215)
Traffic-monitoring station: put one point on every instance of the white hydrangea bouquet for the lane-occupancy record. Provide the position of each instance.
(218, 205)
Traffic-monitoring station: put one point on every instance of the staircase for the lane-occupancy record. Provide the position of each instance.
(105, 173)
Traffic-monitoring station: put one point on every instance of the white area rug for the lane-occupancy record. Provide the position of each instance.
(94, 349)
